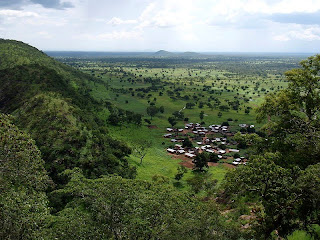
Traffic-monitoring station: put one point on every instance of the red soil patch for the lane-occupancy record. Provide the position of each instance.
(187, 162)
(152, 126)
(212, 164)
(181, 157)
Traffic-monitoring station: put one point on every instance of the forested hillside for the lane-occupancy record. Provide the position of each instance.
(51, 101)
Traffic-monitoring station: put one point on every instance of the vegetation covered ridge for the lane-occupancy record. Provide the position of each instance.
(52, 102)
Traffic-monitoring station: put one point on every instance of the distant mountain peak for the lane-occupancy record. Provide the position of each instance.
(163, 53)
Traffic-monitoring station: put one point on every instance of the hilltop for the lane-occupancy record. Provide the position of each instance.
(163, 53)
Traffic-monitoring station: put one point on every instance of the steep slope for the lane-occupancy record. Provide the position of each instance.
(51, 101)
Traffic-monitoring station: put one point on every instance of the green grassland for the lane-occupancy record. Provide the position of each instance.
(172, 86)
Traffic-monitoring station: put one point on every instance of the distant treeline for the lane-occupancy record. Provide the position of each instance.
(236, 64)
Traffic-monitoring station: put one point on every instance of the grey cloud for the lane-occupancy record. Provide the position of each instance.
(12, 4)
(17, 4)
(298, 18)
(242, 21)
(57, 4)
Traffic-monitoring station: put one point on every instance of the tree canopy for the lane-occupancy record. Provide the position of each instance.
(293, 124)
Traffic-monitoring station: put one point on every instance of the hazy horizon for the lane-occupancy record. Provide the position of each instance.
(155, 51)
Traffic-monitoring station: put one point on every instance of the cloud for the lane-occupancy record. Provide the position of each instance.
(118, 21)
(45, 35)
(17, 13)
(167, 14)
(297, 17)
(12, 4)
(57, 4)
(206, 25)
(256, 13)
(18, 4)
(307, 34)
(237, 21)
(294, 6)
(115, 35)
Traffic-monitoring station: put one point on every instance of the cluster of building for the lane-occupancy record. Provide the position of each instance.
(243, 125)
(178, 149)
(205, 143)
(198, 129)
(238, 161)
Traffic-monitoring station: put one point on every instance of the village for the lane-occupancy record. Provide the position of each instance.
(216, 140)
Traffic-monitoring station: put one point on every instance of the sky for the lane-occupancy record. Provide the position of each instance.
(172, 25)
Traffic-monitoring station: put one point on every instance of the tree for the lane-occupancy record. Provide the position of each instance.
(161, 109)
(225, 124)
(187, 143)
(293, 116)
(201, 115)
(202, 181)
(210, 105)
(137, 119)
(181, 171)
(178, 115)
(201, 162)
(213, 157)
(152, 111)
(219, 114)
(275, 189)
(141, 149)
(224, 108)
(172, 121)
(23, 181)
(190, 105)
(114, 119)
(289, 197)
(308, 185)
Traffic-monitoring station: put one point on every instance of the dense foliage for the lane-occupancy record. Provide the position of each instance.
(294, 116)
(116, 208)
(282, 178)
(23, 181)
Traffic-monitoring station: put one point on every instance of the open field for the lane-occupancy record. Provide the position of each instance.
(224, 89)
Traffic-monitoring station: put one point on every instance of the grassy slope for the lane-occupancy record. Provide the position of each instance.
(157, 161)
